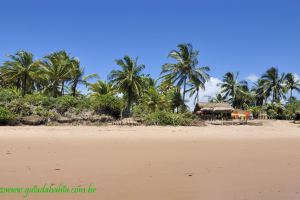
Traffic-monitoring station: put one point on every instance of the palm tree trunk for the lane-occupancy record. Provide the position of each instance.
(24, 85)
(291, 94)
(129, 102)
(62, 88)
(184, 87)
(74, 86)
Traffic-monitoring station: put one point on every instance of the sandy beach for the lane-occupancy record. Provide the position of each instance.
(161, 163)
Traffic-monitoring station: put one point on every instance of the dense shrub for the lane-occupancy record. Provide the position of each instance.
(275, 111)
(7, 95)
(64, 103)
(292, 110)
(6, 116)
(20, 107)
(40, 100)
(108, 105)
(141, 111)
(164, 118)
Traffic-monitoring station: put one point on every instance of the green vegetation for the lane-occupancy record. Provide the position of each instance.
(108, 105)
(6, 116)
(48, 87)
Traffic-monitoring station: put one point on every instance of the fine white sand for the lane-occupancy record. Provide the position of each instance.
(155, 163)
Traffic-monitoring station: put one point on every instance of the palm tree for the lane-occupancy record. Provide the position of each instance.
(292, 83)
(273, 83)
(233, 90)
(260, 93)
(57, 68)
(128, 80)
(22, 70)
(194, 90)
(101, 88)
(185, 69)
(77, 75)
(155, 100)
(218, 98)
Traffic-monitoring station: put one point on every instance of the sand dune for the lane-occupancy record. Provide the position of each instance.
(161, 163)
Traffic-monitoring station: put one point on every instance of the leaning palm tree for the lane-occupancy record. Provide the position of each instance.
(233, 90)
(128, 80)
(292, 83)
(274, 84)
(185, 70)
(77, 76)
(57, 70)
(21, 69)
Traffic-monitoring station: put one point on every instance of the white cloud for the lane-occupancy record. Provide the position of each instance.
(297, 77)
(252, 77)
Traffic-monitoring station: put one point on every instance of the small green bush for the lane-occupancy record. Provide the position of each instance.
(6, 116)
(164, 118)
(107, 105)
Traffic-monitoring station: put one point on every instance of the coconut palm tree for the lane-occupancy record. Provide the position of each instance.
(57, 69)
(128, 80)
(101, 88)
(274, 84)
(21, 70)
(233, 90)
(77, 75)
(185, 70)
(292, 83)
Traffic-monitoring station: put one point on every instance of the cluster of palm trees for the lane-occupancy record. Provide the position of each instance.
(50, 76)
(272, 87)
(59, 74)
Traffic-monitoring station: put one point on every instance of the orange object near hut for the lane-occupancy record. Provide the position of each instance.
(241, 114)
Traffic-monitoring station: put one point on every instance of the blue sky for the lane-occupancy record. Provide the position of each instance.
(247, 36)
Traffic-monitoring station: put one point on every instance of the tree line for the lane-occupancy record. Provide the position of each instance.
(59, 74)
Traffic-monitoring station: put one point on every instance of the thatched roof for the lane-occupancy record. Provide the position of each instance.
(213, 107)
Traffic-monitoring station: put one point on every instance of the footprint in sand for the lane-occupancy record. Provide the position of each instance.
(189, 174)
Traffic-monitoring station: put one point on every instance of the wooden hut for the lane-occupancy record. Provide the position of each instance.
(213, 111)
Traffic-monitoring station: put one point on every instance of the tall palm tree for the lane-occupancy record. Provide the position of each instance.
(21, 69)
(233, 90)
(292, 84)
(101, 88)
(128, 80)
(77, 75)
(186, 69)
(57, 68)
(274, 84)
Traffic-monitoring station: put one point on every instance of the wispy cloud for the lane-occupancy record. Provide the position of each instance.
(252, 77)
